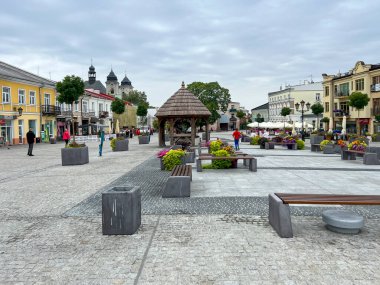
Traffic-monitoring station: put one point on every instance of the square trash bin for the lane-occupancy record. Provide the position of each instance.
(121, 210)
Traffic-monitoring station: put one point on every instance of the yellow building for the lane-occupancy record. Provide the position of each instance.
(363, 78)
(26, 101)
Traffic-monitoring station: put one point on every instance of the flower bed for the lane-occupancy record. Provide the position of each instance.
(357, 145)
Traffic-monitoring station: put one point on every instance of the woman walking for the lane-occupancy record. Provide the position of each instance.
(66, 136)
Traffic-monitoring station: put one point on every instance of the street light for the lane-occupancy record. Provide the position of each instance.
(302, 111)
(19, 111)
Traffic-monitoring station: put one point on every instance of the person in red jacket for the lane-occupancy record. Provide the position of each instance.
(236, 134)
(66, 136)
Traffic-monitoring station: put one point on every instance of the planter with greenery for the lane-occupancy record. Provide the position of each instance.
(119, 144)
(70, 89)
(173, 158)
(144, 139)
(74, 154)
(324, 143)
(262, 142)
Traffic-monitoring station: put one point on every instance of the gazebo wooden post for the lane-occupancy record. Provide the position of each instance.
(207, 131)
(161, 133)
(193, 131)
(171, 123)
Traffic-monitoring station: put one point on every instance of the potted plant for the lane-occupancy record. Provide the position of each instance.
(357, 145)
(289, 141)
(262, 142)
(339, 146)
(172, 158)
(324, 143)
(144, 138)
(119, 144)
(70, 89)
(160, 156)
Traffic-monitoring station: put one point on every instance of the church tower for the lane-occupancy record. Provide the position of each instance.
(91, 75)
(112, 85)
(126, 86)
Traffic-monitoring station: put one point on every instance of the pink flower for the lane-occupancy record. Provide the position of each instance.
(162, 153)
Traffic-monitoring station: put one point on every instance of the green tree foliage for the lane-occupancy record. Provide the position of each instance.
(213, 96)
(118, 106)
(135, 97)
(240, 114)
(317, 109)
(325, 120)
(285, 111)
(142, 111)
(358, 100)
(70, 89)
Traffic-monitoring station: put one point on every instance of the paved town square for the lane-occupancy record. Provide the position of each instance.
(51, 224)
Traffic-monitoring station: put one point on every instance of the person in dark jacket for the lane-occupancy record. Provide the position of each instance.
(30, 136)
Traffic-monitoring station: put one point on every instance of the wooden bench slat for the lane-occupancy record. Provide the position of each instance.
(329, 199)
(181, 170)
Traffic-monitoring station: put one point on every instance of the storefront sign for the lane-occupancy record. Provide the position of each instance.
(363, 121)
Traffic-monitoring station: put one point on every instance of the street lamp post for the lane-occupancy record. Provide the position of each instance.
(302, 111)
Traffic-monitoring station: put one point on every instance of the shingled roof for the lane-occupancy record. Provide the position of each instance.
(183, 104)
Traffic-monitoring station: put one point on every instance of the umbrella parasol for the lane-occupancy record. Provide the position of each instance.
(330, 125)
(117, 127)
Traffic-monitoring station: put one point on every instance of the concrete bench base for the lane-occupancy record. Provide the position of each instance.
(342, 221)
(315, 147)
(370, 159)
(177, 186)
(279, 217)
(329, 149)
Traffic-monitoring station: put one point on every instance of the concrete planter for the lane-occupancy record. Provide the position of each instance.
(162, 166)
(121, 210)
(53, 141)
(143, 139)
(315, 139)
(189, 157)
(121, 145)
(74, 156)
(329, 149)
(269, 145)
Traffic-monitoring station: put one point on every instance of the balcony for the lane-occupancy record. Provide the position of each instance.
(375, 87)
(88, 113)
(66, 113)
(103, 114)
(50, 110)
(341, 113)
(342, 94)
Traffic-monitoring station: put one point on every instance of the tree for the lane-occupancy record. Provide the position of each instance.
(142, 111)
(118, 106)
(70, 89)
(135, 97)
(213, 96)
(358, 100)
(243, 122)
(259, 120)
(285, 111)
(317, 109)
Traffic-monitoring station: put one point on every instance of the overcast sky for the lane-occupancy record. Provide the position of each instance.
(250, 47)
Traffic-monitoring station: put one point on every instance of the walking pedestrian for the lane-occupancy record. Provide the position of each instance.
(66, 136)
(30, 136)
(236, 134)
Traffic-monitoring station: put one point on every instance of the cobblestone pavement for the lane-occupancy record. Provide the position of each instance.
(51, 233)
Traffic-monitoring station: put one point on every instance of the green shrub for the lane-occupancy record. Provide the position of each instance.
(113, 142)
(255, 140)
(325, 142)
(172, 158)
(221, 164)
(300, 144)
(215, 145)
(75, 145)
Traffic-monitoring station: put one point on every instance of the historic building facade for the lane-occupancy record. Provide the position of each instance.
(309, 92)
(363, 78)
(27, 101)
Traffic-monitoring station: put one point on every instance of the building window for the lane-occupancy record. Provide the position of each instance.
(317, 96)
(100, 107)
(21, 96)
(376, 80)
(327, 107)
(84, 106)
(335, 106)
(344, 107)
(32, 97)
(342, 89)
(6, 94)
(327, 91)
(359, 84)
(47, 99)
(76, 107)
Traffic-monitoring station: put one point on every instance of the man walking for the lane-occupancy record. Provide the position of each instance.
(30, 136)
(236, 134)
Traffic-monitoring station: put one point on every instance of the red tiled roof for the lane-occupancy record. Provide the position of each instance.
(104, 96)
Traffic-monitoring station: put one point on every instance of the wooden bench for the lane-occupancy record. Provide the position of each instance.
(369, 158)
(279, 211)
(252, 166)
(178, 184)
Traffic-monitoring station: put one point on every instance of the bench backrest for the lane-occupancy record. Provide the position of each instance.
(288, 198)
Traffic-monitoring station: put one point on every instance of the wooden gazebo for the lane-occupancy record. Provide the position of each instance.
(181, 112)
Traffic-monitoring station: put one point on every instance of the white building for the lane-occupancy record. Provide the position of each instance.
(310, 92)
